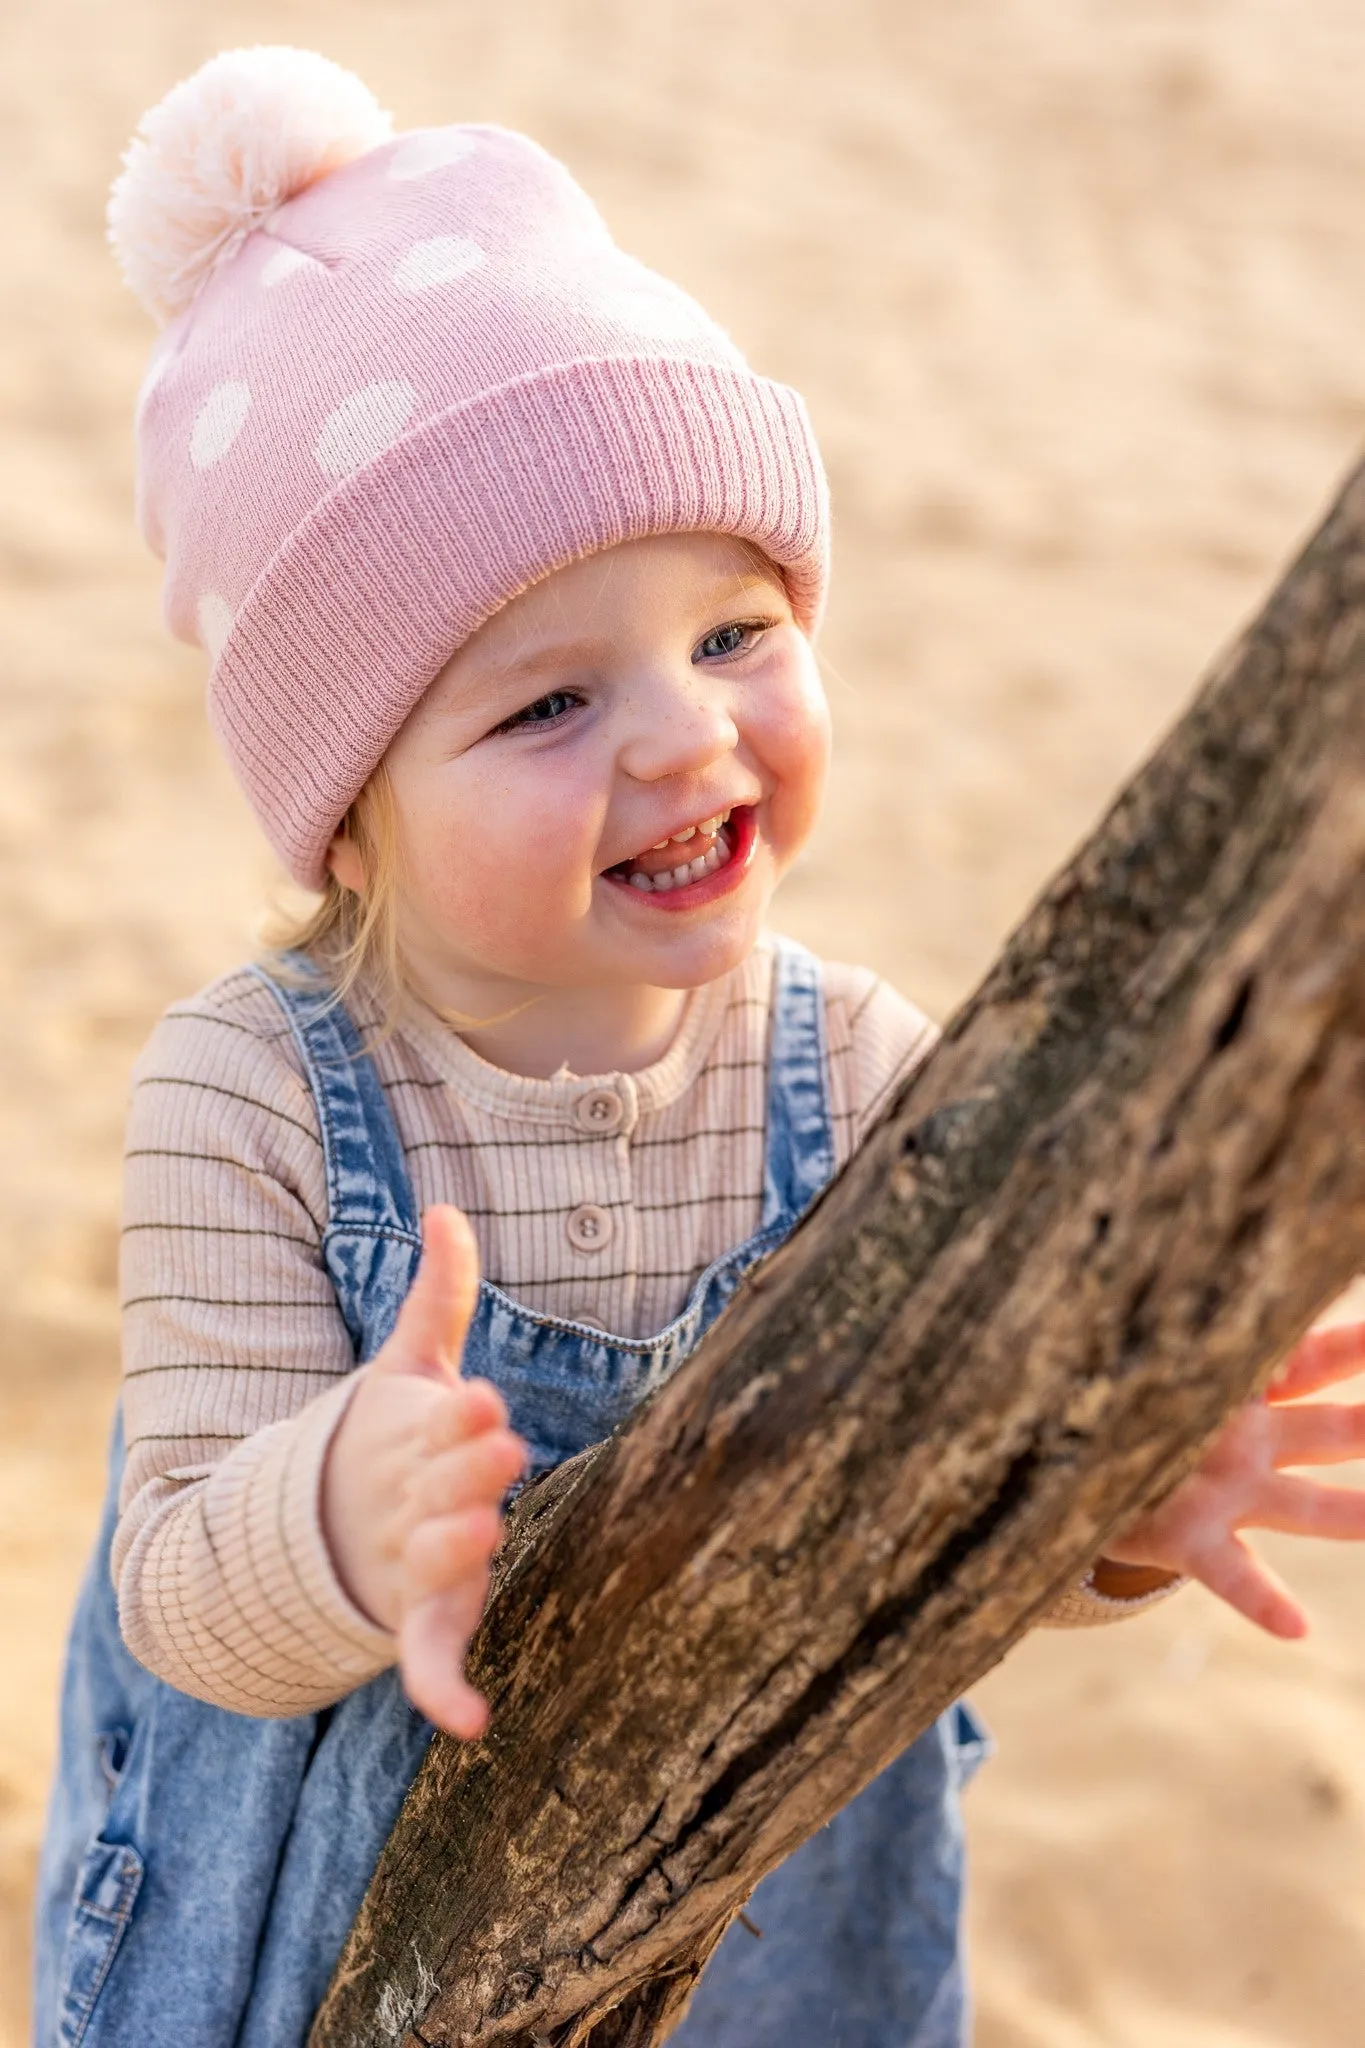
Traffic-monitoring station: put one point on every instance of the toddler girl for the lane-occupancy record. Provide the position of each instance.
(508, 568)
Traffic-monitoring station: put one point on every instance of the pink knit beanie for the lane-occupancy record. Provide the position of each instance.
(402, 379)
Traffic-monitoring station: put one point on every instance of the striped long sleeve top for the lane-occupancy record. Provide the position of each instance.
(237, 1364)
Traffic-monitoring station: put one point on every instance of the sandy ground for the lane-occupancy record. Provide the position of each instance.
(1077, 294)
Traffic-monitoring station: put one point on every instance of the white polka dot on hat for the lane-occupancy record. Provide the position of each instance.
(403, 378)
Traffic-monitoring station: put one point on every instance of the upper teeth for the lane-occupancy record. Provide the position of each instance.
(706, 828)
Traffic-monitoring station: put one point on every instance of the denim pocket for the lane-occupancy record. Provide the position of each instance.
(106, 1890)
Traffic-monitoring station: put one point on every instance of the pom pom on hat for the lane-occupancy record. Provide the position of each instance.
(223, 149)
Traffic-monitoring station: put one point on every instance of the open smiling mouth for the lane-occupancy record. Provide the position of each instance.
(691, 866)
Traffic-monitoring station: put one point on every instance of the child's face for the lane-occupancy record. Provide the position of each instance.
(636, 697)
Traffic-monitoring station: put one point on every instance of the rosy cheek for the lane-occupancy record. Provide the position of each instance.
(451, 849)
(816, 738)
(796, 740)
(512, 849)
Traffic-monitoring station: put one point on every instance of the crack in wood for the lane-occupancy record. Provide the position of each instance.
(886, 1621)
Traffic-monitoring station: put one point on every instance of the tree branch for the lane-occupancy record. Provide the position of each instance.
(1119, 1190)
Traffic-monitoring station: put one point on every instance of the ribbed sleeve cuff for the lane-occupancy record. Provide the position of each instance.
(229, 1592)
(1081, 1606)
(305, 1596)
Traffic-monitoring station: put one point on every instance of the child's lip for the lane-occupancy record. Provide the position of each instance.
(740, 836)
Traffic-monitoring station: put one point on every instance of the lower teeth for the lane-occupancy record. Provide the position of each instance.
(688, 871)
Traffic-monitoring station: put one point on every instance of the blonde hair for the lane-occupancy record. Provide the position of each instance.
(351, 936)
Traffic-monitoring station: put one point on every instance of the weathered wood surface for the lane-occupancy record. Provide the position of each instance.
(1120, 1189)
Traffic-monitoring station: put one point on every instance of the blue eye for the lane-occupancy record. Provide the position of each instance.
(544, 711)
(727, 640)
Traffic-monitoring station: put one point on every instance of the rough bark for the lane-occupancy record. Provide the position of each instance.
(1120, 1189)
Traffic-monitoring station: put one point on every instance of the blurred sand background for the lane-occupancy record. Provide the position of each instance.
(1077, 294)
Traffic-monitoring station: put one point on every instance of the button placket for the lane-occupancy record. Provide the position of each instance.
(607, 1110)
(600, 1112)
(589, 1227)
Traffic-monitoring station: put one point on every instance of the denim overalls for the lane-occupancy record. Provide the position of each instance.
(202, 1868)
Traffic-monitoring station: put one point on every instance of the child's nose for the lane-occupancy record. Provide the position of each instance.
(677, 727)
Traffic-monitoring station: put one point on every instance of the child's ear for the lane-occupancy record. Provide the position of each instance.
(344, 862)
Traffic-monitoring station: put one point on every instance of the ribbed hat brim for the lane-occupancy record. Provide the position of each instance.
(365, 601)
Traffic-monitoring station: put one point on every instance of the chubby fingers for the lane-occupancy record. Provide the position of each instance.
(445, 1565)
(476, 1470)
(447, 1551)
(434, 1320)
(1302, 1507)
(464, 1409)
(1320, 1433)
(1232, 1570)
(432, 1640)
(1320, 1359)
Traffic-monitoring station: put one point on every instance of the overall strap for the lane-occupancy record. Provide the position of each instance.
(799, 1159)
(372, 1217)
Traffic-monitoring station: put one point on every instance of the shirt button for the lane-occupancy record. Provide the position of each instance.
(589, 1228)
(600, 1111)
(589, 1322)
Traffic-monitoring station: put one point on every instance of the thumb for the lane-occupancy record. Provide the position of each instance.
(428, 1337)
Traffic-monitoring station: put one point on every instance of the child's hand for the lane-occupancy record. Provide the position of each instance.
(414, 1480)
(1240, 1484)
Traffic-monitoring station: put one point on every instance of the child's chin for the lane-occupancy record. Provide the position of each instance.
(689, 959)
